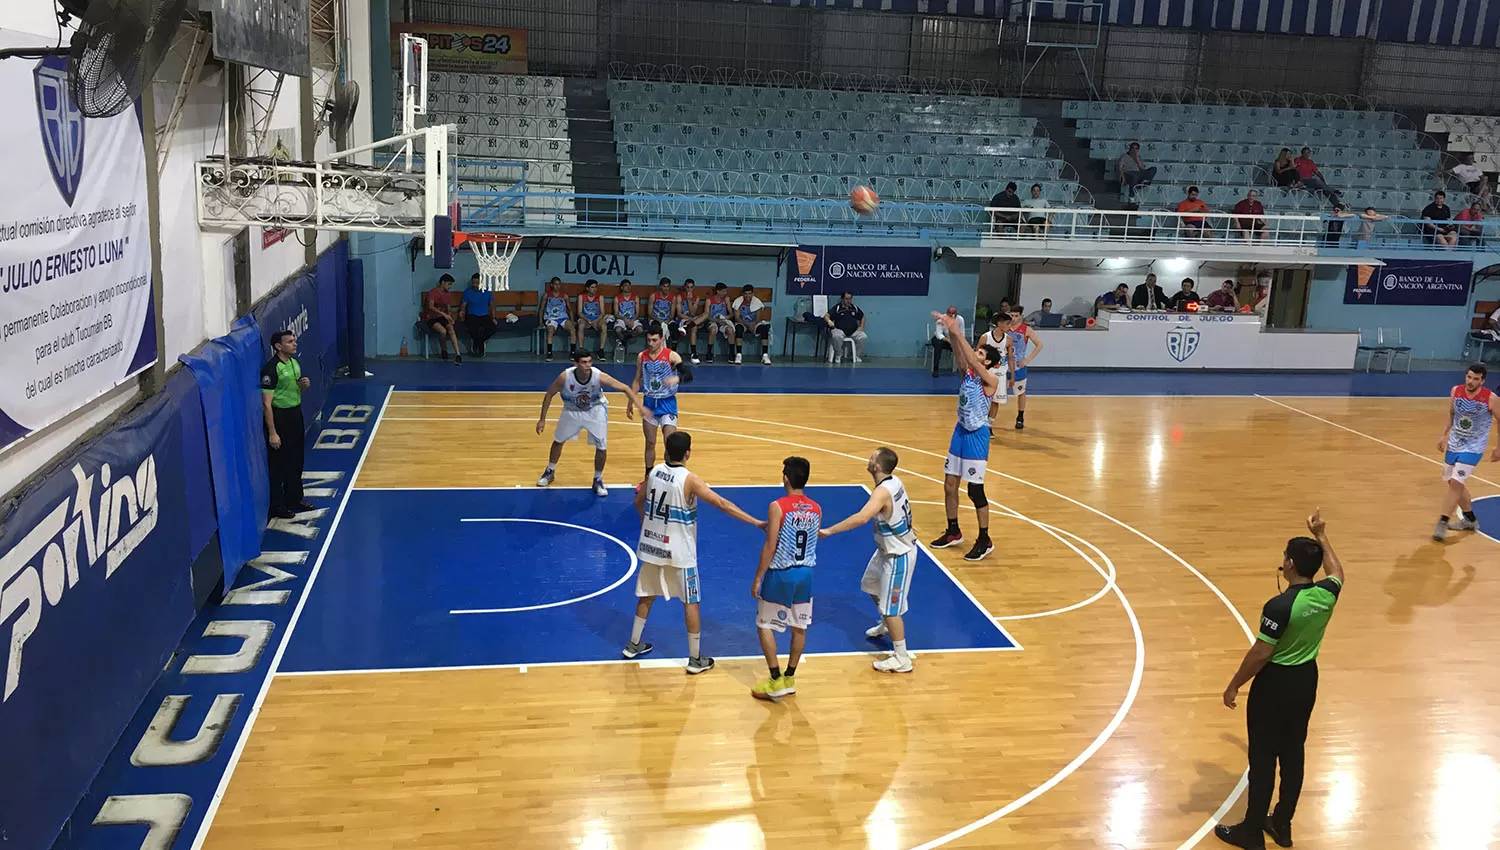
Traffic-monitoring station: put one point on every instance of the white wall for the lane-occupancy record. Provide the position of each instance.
(32, 17)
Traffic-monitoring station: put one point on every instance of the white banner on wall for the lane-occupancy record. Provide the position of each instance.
(75, 255)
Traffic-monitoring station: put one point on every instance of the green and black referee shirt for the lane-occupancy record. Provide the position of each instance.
(1295, 619)
(280, 380)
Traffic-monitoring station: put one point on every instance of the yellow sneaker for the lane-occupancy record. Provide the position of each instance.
(788, 686)
(773, 688)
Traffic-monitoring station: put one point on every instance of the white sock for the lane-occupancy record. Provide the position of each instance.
(638, 629)
(598, 475)
(900, 647)
(694, 648)
(551, 467)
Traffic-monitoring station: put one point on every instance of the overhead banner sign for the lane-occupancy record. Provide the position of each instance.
(487, 50)
(270, 34)
(1426, 283)
(75, 255)
(859, 269)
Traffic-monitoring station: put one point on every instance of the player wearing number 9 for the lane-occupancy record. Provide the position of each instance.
(783, 580)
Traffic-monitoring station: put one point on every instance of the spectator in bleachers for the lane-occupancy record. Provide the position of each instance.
(1117, 297)
(845, 321)
(627, 316)
(940, 341)
(476, 311)
(1333, 231)
(751, 318)
(1442, 230)
(591, 315)
(1471, 234)
(1367, 221)
(1184, 297)
(1284, 170)
(1251, 226)
(1311, 178)
(1036, 317)
(1132, 171)
(1223, 298)
(1471, 175)
(1148, 296)
(1196, 225)
(1003, 222)
(437, 314)
(557, 313)
(1036, 222)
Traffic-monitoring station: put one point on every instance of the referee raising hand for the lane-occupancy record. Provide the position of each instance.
(1283, 663)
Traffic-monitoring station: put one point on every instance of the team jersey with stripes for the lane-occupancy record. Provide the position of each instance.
(894, 534)
(661, 307)
(554, 308)
(627, 307)
(655, 370)
(973, 403)
(1471, 421)
(797, 542)
(590, 307)
(669, 528)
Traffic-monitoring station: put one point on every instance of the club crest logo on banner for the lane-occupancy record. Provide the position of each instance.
(62, 125)
(1182, 342)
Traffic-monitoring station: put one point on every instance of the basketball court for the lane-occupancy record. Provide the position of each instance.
(453, 677)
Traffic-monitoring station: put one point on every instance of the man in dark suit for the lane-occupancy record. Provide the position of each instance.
(1148, 296)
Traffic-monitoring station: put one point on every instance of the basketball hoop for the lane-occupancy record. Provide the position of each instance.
(494, 251)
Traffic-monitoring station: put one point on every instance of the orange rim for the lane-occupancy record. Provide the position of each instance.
(460, 237)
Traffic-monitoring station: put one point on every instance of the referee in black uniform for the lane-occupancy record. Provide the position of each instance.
(1283, 663)
(281, 386)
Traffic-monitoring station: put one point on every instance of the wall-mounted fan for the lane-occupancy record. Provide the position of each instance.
(116, 49)
(337, 111)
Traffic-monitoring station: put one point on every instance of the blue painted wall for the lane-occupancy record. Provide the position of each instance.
(393, 291)
(1432, 332)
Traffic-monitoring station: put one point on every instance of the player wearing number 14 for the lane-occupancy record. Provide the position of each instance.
(784, 578)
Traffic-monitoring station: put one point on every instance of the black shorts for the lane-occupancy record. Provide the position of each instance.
(433, 323)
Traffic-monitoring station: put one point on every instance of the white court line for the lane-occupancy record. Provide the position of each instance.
(1367, 436)
(634, 562)
(646, 662)
(286, 639)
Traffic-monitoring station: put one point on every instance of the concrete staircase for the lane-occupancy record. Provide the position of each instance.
(1076, 152)
(596, 166)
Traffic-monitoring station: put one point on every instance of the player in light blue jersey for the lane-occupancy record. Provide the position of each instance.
(1025, 346)
(1472, 412)
(969, 449)
(784, 579)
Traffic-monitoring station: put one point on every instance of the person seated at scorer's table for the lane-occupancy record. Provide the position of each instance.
(1223, 299)
(940, 341)
(845, 321)
(476, 311)
(1180, 301)
(1117, 297)
(1148, 296)
(437, 314)
(1036, 317)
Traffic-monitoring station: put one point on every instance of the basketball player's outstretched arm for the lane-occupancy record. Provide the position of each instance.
(606, 380)
(1331, 564)
(698, 487)
(773, 529)
(557, 385)
(965, 353)
(879, 500)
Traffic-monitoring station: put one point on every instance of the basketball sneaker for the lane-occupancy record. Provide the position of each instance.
(1440, 531)
(1464, 524)
(949, 538)
(632, 650)
(765, 358)
(599, 489)
(772, 689)
(546, 479)
(877, 631)
(701, 664)
(739, 359)
(892, 664)
(983, 546)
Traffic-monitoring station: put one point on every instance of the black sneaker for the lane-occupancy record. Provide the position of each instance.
(549, 357)
(1281, 833)
(949, 538)
(1238, 836)
(983, 546)
(304, 506)
(458, 360)
(701, 664)
(282, 513)
(1020, 423)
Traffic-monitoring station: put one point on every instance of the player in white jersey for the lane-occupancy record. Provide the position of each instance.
(783, 583)
(998, 338)
(888, 576)
(584, 409)
(668, 549)
(1466, 435)
(969, 448)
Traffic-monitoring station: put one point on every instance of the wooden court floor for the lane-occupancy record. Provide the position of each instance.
(1107, 731)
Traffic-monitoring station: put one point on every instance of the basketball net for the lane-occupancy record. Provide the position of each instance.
(494, 251)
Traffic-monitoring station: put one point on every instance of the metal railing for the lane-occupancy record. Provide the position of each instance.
(519, 210)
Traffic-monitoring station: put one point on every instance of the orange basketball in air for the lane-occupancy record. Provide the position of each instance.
(864, 200)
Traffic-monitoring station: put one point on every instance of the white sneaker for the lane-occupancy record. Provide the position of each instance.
(858, 359)
(599, 489)
(695, 360)
(877, 631)
(766, 359)
(892, 664)
(545, 480)
(1440, 532)
(1463, 524)
(738, 359)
